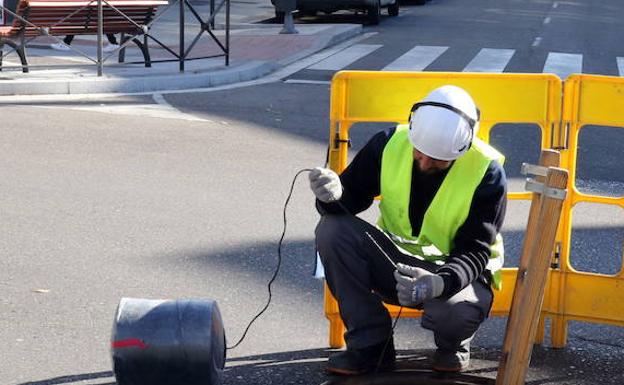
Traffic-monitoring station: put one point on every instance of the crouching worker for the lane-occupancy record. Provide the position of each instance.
(443, 200)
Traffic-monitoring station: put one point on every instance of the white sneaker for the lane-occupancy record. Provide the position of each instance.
(60, 47)
(110, 47)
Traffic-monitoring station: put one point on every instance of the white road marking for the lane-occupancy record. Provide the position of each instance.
(160, 110)
(416, 59)
(303, 81)
(168, 109)
(563, 64)
(345, 57)
(555, 4)
(620, 64)
(547, 20)
(536, 42)
(144, 110)
(490, 60)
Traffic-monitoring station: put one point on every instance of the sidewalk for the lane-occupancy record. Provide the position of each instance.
(256, 49)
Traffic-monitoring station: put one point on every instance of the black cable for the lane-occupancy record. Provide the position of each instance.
(383, 351)
(279, 261)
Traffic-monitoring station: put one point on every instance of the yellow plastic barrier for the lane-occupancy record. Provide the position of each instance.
(366, 96)
(574, 295)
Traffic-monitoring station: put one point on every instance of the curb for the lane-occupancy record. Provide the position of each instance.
(247, 71)
(327, 41)
(106, 84)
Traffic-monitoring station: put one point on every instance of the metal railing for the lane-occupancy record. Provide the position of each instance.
(19, 41)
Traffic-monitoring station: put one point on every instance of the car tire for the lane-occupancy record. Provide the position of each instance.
(308, 13)
(420, 2)
(373, 13)
(393, 9)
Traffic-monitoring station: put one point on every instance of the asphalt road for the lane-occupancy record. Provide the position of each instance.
(126, 196)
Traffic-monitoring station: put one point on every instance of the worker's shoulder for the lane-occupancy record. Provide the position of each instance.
(381, 138)
(495, 174)
(387, 133)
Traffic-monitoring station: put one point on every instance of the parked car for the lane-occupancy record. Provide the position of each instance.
(372, 8)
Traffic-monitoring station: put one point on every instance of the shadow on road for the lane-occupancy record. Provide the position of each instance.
(307, 367)
(74, 378)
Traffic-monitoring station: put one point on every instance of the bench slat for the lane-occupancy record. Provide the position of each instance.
(47, 19)
(82, 3)
(48, 13)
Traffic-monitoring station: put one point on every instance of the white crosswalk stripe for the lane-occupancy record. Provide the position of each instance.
(416, 59)
(490, 60)
(563, 64)
(345, 57)
(420, 58)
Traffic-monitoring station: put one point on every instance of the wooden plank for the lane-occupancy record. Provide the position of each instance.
(548, 158)
(86, 11)
(73, 22)
(82, 3)
(522, 325)
(36, 12)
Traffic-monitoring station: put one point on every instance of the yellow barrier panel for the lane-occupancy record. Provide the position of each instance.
(370, 96)
(589, 100)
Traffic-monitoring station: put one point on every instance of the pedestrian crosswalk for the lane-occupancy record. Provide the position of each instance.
(345, 57)
(563, 64)
(490, 60)
(421, 58)
(416, 59)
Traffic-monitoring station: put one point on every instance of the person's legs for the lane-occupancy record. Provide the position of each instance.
(359, 275)
(111, 38)
(67, 40)
(112, 43)
(348, 275)
(454, 323)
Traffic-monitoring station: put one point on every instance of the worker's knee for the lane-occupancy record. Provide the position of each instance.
(327, 228)
(454, 321)
(336, 238)
(330, 229)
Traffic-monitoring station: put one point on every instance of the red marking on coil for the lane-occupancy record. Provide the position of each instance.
(131, 342)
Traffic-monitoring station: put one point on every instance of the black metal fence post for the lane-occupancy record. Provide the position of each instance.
(182, 17)
(227, 32)
(100, 28)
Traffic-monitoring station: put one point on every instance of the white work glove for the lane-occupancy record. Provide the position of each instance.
(415, 285)
(325, 184)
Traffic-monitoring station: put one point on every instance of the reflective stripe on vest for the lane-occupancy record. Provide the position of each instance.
(448, 209)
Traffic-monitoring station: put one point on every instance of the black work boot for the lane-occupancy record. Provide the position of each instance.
(352, 362)
(451, 362)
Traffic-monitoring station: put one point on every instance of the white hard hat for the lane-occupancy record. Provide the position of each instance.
(444, 123)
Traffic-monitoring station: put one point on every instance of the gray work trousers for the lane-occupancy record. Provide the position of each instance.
(360, 277)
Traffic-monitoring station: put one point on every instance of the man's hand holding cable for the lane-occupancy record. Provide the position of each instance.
(325, 184)
(415, 285)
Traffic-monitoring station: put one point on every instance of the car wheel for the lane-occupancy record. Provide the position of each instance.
(308, 13)
(373, 13)
(393, 9)
(420, 2)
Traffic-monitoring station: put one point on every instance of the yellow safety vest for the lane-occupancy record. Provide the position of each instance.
(448, 209)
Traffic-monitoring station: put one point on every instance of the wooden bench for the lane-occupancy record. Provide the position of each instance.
(78, 17)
